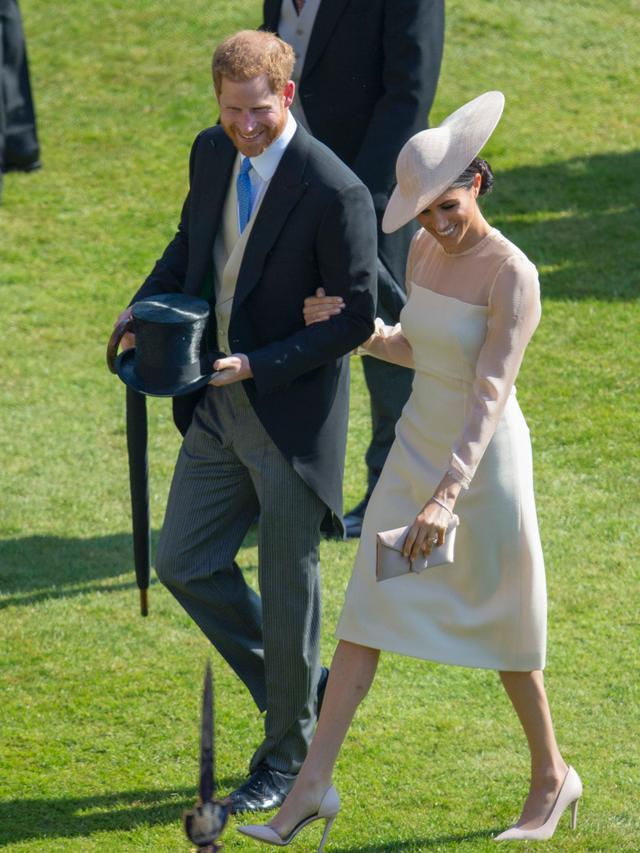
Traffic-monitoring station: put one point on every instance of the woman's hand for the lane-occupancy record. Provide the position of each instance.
(321, 307)
(427, 531)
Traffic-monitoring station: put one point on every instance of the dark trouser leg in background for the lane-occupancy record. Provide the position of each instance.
(3, 106)
(21, 150)
(389, 388)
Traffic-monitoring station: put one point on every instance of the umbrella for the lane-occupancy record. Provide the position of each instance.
(139, 487)
(138, 471)
(206, 822)
(185, 393)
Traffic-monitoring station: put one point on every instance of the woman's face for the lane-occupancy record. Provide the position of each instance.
(454, 218)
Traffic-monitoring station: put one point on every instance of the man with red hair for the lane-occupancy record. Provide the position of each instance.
(271, 216)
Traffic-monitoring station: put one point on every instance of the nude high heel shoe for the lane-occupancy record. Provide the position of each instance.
(327, 811)
(568, 795)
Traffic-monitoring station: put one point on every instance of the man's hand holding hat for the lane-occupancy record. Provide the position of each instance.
(232, 368)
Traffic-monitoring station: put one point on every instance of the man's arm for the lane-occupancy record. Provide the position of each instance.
(169, 272)
(346, 251)
(412, 43)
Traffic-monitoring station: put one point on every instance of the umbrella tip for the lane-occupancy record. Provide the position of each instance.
(144, 602)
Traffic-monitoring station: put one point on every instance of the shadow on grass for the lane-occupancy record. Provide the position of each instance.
(54, 562)
(24, 600)
(417, 843)
(36, 568)
(72, 817)
(31, 819)
(578, 221)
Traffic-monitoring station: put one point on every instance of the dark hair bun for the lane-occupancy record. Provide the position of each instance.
(486, 174)
(466, 179)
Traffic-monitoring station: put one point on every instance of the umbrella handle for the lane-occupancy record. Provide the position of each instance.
(114, 341)
(144, 602)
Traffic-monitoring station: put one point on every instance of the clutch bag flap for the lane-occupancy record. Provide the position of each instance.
(390, 562)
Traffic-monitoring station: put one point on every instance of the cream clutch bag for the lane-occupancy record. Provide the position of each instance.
(390, 562)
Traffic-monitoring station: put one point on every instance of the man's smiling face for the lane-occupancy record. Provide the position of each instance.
(251, 114)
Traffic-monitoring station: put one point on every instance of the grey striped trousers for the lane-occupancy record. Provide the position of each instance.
(228, 471)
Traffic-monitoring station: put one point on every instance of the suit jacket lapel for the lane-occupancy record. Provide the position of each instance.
(326, 19)
(208, 190)
(283, 193)
(272, 14)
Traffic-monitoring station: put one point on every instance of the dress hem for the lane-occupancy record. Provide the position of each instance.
(498, 667)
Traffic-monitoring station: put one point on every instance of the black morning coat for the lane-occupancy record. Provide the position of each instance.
(316, 227)
(368, 82)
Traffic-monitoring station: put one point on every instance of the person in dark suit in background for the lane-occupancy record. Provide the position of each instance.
(271, 216)
(366, 73)
(19, 149)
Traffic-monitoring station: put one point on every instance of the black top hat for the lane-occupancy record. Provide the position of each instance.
(169, 358)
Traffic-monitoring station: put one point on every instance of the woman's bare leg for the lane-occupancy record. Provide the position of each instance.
(548, 768)
(352, 671)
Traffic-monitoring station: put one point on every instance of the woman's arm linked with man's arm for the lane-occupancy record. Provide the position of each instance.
(386, 343)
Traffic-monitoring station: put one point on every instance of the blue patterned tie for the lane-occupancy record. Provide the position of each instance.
(243, 188)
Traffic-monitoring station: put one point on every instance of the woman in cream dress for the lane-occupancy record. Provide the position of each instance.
(473, 305)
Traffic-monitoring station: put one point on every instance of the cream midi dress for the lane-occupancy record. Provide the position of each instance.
(464, 329)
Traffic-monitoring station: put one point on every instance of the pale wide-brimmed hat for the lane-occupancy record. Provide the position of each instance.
(432, 160)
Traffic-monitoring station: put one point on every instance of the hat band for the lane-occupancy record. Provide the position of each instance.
(158, 376)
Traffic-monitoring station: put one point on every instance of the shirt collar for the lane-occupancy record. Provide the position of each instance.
(266, 163)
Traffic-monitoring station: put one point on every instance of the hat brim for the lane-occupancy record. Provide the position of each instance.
(469, 129)
(125, 368)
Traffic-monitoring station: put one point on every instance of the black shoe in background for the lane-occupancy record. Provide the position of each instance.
(353, 519)
(322, 686)
(21, 161)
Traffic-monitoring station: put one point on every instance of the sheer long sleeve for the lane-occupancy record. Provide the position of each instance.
(514, 313)
(388, 344)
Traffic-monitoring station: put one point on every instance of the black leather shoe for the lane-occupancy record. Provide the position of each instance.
(322, 686)
(353, 519)
(21, 161)
(265, 789)
(26, 167)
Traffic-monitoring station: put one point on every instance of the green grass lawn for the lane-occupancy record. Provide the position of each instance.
(99, 708)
